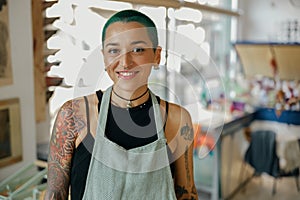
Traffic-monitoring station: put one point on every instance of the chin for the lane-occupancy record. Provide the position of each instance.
(129, 86)
(126, 86)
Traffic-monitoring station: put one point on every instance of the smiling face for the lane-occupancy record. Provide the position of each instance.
(129, 55)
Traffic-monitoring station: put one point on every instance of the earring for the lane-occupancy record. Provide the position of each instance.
(156, 67)
(105, 69)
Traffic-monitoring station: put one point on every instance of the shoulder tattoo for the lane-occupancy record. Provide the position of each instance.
(67, 126)
(187, 132)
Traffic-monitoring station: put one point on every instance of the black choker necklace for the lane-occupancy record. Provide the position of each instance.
(129, 104)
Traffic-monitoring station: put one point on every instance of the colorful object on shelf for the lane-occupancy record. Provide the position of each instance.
(238, 106)
(203, 142)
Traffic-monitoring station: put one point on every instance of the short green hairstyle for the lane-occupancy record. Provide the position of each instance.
(133, 16)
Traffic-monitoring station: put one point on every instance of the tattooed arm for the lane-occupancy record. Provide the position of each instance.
(180, 123)
(67, 125)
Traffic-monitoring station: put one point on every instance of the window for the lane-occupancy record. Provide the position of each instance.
(79, 36)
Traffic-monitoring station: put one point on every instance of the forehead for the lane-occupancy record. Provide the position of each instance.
(122, 32)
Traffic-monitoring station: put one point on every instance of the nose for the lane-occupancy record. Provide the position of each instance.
(126, 60)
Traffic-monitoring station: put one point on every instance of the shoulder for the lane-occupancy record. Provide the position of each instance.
(70, 111)
(178, 127)
(177, 109)
(71, 103)
(178, 114)
(177, 117)
(77, 104)
(74, 112)
(71, 106)
(71, 119)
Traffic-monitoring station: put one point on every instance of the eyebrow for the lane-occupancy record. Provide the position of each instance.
(112, 44)
(132, 43)
(138, 42)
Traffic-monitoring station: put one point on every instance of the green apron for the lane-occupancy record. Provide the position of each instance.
(139, 173)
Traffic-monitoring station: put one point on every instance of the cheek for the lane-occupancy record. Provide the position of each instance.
(108, 60)
(111, 62)
(147, 70)
(147, 61)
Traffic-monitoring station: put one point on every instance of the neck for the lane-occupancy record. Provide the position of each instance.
(129, 98)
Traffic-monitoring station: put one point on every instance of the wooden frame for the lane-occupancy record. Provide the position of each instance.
(10, 132)
(39, 60)
(5, 52)
(179, 4)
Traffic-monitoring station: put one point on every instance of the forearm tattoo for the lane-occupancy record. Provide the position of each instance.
(62, 144)
(182, 191)
(186, 160)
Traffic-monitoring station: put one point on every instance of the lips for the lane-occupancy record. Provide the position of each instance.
(127, 75)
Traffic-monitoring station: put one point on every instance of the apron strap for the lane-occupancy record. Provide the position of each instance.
(157, 116)
(102, 117)
(87, 114)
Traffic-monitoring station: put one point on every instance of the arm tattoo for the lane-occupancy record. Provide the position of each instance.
(187, 132)
(186, 157)
(58, 183)
(62, 144)
(194, 190)
(63, 141)
(180, 191)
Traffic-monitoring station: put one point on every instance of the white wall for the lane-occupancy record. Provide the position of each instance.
(261, 18)
(23, 83)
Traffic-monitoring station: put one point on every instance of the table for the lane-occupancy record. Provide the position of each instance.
(219, 126)
(224, 134)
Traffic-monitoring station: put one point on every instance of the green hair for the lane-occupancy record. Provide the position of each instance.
(126, 16)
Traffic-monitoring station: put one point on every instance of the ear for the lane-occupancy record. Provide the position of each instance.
(157, 55)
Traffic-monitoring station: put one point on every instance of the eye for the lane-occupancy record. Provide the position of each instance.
(138, 50)
(114, 51)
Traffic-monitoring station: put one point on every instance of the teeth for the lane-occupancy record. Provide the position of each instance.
(126, 73)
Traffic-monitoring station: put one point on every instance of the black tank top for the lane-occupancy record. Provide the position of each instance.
(141, 115)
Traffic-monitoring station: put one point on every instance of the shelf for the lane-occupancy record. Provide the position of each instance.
(268, 59)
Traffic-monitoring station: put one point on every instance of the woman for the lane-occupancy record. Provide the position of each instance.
(114, 144)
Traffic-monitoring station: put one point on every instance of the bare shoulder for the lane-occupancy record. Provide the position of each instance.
(77, 107)
(178, 116)
(178, 113)
(71, 119)
(178, 123)
(72, 105)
